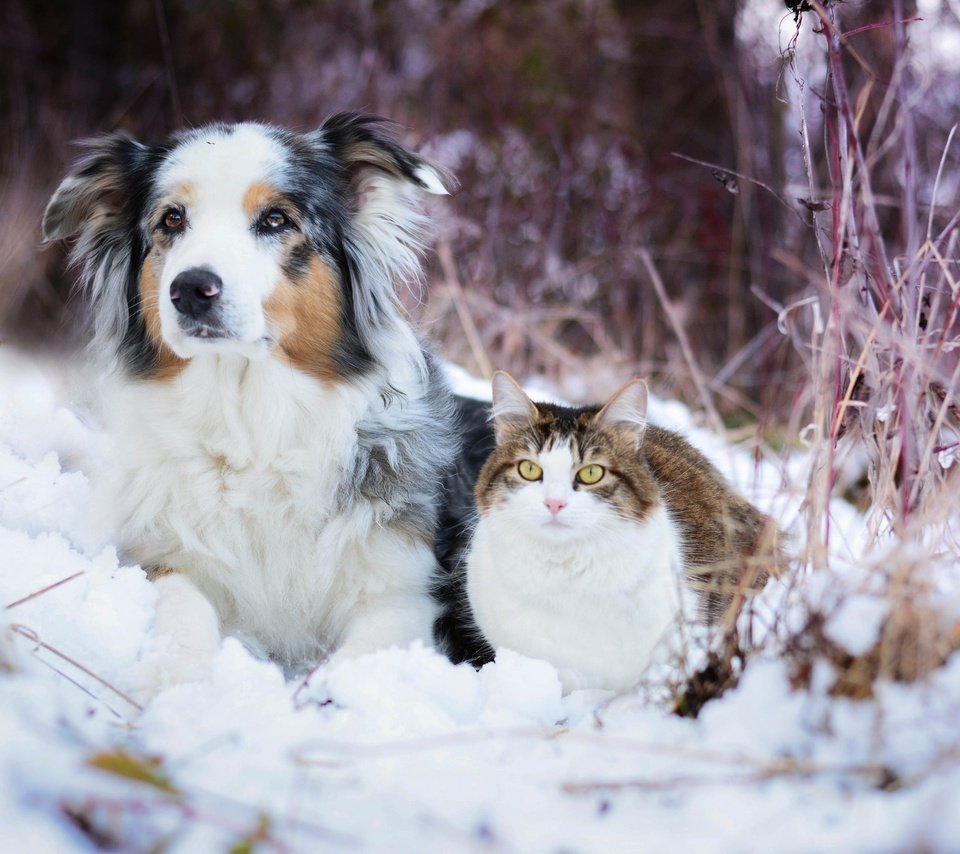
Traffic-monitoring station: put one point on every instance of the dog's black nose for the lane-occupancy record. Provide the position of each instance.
(194, 291)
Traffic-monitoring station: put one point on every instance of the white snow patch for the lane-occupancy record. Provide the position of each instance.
(855, 625)
(402, 750)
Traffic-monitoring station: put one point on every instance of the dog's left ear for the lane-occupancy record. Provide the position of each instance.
(383, 234)
(364, 142)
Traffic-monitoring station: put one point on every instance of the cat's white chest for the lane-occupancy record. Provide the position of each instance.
(598, 607)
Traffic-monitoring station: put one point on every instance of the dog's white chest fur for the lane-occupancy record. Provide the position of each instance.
(235, 473)
(597, 608)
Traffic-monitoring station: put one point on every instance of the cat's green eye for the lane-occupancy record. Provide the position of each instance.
(590, 474)
(529, 470)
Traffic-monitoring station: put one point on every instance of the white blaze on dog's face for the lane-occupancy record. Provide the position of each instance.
(222, 231)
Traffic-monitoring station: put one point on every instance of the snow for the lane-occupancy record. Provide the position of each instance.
(402, 750)
(855, 625)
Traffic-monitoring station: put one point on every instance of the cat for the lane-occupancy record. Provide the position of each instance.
(591, 523)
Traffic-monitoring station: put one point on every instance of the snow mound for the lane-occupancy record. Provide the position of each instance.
(402, 750)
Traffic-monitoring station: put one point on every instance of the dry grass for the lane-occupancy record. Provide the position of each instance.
(881, 350)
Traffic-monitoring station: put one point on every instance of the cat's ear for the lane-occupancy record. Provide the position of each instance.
(626, 410)
(512, 408)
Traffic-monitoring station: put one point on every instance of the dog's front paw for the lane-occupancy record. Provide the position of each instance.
(167, 665)
(184, 642)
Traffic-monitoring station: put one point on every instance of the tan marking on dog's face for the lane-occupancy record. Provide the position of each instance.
(168, 364)
(183, 195)
(258, 198)
(305, 316)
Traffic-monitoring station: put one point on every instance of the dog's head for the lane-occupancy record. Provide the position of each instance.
(246, 238)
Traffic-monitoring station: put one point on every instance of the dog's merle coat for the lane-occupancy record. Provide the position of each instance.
(283, 445)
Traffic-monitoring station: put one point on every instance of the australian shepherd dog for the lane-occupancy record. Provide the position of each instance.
(278, 434)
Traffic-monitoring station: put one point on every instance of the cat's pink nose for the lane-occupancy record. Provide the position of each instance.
(555, 505)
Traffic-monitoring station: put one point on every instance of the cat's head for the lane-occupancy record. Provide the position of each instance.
(567, 473)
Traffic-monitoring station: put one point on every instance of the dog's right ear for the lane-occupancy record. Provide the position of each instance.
(366, 142)
(100, 203)
(96, 193)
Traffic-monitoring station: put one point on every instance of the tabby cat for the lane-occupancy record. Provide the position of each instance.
(590, 524)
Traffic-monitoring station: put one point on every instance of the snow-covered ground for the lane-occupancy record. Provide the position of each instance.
(403, 751)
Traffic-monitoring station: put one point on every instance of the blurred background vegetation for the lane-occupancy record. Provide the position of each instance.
(562, 119)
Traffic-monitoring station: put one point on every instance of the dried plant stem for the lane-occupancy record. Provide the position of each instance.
(772, 770)
(936, 183)
(856, 373)
(926, 458)
(716, 422)
(452, 282)
(164, 33)
(34, 638)
(723, 169)
(885, 360)
(46, 589)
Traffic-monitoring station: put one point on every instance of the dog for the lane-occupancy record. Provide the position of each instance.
(279, 435)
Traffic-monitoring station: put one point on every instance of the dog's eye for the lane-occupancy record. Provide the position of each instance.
(172, 219)
(273, 220)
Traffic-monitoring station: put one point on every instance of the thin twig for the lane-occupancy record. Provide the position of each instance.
(46, 589)
(936, 182)
(866, 28)
(452, 281)
(856, 373)
(680, 332)
(164, 32)
(841, 38)
(772, 770)
(34, 638)
(779, 197)
(81, 687)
